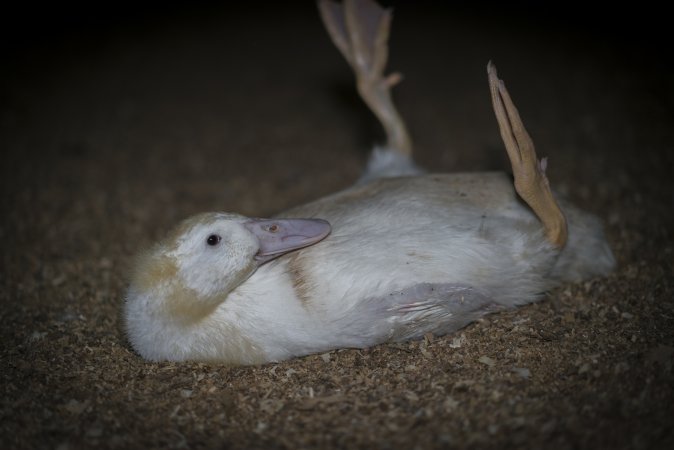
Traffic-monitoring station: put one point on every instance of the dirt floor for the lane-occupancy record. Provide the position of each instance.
(116, 128)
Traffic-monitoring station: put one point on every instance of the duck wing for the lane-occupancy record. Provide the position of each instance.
(410, 313)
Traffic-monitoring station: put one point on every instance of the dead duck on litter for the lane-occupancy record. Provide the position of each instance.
(400, 254)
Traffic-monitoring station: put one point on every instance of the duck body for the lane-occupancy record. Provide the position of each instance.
(406, 256)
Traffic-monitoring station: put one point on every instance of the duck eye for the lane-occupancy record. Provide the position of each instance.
(213, 239)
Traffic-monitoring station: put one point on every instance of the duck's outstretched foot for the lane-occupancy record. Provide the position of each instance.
(360, 30)
(530, 181)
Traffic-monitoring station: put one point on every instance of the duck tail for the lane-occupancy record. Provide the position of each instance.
(587, 253)
(360, 30)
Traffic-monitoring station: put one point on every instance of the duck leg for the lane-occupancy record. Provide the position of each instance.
(360, 30)
(530, 181)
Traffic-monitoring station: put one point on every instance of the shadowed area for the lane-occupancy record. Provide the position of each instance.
(117, 123)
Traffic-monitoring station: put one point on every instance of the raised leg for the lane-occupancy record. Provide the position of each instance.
(530, 181)
(360, 30)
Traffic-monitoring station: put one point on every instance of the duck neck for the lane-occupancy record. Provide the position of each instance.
(188, 307)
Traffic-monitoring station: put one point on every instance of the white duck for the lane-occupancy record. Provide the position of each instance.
(407, 255)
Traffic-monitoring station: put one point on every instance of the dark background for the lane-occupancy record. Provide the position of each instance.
(119, 120)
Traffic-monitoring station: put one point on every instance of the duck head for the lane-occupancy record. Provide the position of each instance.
(187, 275)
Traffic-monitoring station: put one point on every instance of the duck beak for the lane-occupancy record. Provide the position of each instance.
(279, 236)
